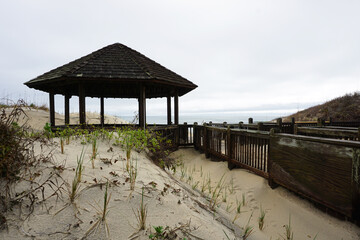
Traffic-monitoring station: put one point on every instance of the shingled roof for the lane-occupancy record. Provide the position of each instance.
(113, 71)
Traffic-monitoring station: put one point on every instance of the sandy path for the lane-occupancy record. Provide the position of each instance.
(306, 220)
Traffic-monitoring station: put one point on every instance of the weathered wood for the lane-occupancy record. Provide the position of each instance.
(52, 109)
(169, 110)
(250, 121)
(82, 110)
(102, 111)
(356, 184)
(316, 169)
(320, 122)
(206, 141)
(176, 108)
(67, 109)
(142, 107)
(329, 133)
(279, 124)
(115, 71)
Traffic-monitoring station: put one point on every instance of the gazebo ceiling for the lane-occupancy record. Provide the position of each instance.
(114, 71)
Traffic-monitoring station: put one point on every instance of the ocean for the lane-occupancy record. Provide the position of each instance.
(214, 117)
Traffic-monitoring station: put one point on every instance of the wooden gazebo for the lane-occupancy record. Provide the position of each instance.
(115, 71)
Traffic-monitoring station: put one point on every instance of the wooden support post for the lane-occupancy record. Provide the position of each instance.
(142, 107)
(355, 184)
(176, 108)
(241, 125)
(206, 140)
(169, 110)
(251, 120)
(295, 129)
(102, 112)
(229, 149)
(82, 110)
(271, 181)
(293, 125)
(195, 136)
(67, 109)
(260, 126)
(52, 109)
(279, 123)
(186, 133)
(320, 122)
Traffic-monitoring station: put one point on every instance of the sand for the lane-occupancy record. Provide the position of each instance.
(171, 200)
(37, 118)
(306, 220)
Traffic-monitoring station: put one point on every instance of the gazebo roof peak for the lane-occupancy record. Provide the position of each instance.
(117, 65)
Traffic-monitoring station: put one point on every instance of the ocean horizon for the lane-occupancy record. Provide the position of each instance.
(213, 117)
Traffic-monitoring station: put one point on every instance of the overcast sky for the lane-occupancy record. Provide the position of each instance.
(243, 55)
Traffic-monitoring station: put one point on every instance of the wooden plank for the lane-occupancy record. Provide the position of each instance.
(339, 133)
(337, 142)
(318, 170)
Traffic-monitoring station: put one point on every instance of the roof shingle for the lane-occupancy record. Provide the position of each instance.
(116, 62)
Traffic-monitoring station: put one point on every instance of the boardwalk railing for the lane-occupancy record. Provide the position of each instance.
(249, 149)
(324, 170)
(239, 147)
(329, 132)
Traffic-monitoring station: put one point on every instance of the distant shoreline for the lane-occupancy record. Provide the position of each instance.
(216, 118)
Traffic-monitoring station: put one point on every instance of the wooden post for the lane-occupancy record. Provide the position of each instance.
(271, 181)
(169, 110)
(293, 125)
(295, 129)
(206, 150)
(82, 110)
(195, 136)
(67, 109)
(142, 107)
(185, 133)
(260, 126)
(241, 125)
(356, 184)
(229, 149)
(102, 112)
(176, 108)
(251, 120)
(52, 109)
(279, 123)
(320, 122)
(225, 124)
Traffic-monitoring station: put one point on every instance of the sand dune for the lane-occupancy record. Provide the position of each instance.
(37, 118)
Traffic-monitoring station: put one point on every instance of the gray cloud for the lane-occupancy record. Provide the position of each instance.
(244, 55)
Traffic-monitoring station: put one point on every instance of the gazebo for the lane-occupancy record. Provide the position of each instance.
(115, 71)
